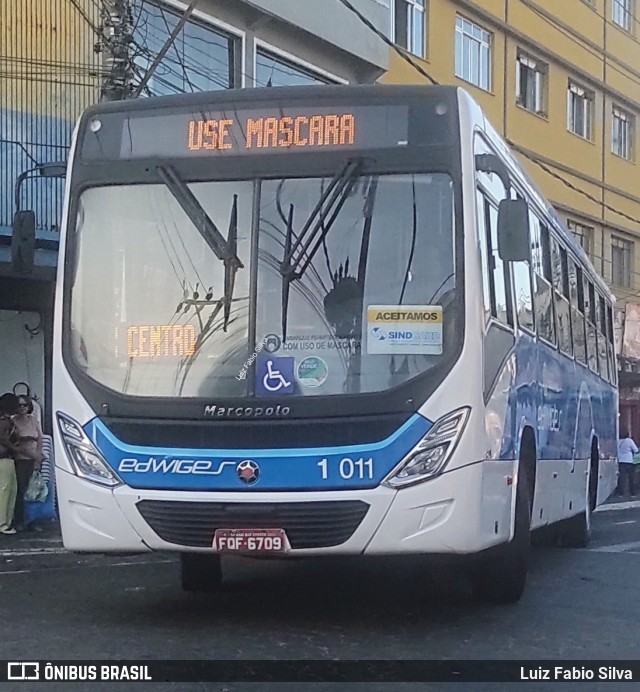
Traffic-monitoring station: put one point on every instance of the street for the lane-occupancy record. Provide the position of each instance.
(579, 604)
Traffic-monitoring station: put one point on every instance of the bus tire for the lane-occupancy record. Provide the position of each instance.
(575, 532)
(200, 572)
(501, 575)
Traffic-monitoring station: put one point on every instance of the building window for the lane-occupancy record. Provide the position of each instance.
(622, 13)
(622, 133)
(473, 53)
(202, 57)
(272, 70)
(531, 83)
(409, 25)
(583, 234)
(581, 104)
(621, 255)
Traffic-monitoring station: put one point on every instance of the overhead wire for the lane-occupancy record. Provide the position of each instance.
(85, 16)
(513, 145)
(381, 35)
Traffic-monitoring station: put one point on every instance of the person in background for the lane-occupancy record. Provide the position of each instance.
(8, 447)
(28, 455)
(626, 467)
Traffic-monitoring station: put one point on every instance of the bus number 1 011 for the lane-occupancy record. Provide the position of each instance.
(359, 469)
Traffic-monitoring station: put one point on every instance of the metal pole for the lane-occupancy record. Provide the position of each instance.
(115, 42)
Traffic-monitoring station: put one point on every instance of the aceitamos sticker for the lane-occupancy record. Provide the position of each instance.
(404, 329)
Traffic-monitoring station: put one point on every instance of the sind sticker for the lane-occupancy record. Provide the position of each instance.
(404, 329)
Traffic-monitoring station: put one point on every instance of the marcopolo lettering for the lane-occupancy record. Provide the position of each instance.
(214, 411)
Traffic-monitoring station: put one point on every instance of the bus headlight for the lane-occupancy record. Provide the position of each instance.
(85, 459)
(429, 457)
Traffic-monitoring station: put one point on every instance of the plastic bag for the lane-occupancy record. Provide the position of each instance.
(37, 490)
(40, 511)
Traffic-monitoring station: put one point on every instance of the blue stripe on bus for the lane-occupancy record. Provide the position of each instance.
(349, 467)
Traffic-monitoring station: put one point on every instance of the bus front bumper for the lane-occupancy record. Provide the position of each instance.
(441, 516)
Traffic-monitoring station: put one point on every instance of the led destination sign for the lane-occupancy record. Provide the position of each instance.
(159, 341)
(268, 133)
(269, 130)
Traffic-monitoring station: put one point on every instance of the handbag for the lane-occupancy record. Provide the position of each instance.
(37, 490)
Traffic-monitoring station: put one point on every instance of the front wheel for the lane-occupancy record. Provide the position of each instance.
(200, 572)
(501, 575)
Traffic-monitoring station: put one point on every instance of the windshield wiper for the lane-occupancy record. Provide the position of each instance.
(299, 255)
(224, 250)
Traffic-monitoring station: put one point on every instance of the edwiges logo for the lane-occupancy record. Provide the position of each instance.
(196, 467)
(23, 670)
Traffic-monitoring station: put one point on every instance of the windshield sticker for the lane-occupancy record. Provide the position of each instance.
(312, 372)
(404, 329)
(274, 375)
(309, 342)
(272, 343)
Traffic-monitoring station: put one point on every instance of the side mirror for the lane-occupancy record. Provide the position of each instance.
(23, 242)
(513, 231)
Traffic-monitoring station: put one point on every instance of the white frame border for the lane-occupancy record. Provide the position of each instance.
(219, 24)
(289, 57)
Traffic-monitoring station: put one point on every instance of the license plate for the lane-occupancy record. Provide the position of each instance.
(251, 541)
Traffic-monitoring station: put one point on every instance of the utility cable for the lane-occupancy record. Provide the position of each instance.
(388, 41)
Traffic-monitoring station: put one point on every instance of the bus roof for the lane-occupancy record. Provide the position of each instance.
(266, 94)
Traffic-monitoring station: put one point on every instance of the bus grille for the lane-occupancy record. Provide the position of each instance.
(307, 524)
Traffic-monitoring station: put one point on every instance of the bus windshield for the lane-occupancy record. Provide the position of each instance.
(326, 294)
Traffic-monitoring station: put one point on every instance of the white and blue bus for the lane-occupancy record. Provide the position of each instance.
(323, 321)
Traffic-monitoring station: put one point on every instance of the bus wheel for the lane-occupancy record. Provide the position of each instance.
(501, 575)
(200, 572)
(576, 531)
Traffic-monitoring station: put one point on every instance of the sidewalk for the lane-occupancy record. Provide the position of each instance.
(32, 540)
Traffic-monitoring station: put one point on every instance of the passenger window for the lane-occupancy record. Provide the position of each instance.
(611, 346)
(543, 299)
(536, 244)
(501, 308)
(523, 298)
(484, 253)
(561, 296)
(591, 334)
(577, 312)
(601, 323)
(523, 294)
(498, 284)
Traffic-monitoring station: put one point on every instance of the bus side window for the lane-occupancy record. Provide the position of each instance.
(576, 292)
(484, 254)
(500, 278)
(543, 300)
(601, 323)
(561, 296)
(590, 315)
(498, 288)
(611, 346)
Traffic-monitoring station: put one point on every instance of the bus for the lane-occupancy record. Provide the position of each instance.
(335, 320)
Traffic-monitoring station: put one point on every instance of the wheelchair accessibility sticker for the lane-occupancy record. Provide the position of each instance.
(275, 375)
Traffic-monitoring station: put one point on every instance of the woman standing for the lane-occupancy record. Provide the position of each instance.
(28, 453)
(8, 485)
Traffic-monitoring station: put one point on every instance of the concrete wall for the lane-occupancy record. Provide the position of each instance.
(317, 34)
(48, 75)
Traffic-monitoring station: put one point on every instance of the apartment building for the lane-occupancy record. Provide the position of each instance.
(561, 81)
